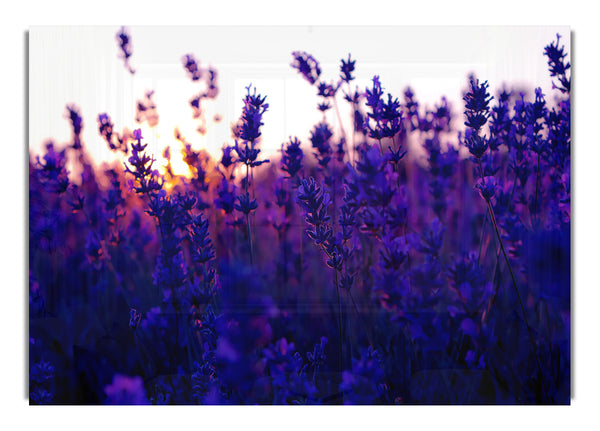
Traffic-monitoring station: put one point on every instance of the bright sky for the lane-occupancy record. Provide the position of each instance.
(81, 65)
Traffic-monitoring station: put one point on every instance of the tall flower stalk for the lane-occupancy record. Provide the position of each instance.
(315, 203)
(251, 120)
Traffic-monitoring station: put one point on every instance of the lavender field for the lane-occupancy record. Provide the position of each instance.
(409, 254)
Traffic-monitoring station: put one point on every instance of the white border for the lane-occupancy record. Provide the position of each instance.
(580, 17)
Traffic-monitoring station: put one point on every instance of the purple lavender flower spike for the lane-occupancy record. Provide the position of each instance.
(306, 65)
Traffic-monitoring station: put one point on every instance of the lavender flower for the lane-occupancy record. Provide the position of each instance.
(226, 158)
(246, 204)
(305, 64)
(124, 42)
(431, 240)
(291, 383)
(558, 67)
(476, 144)
(412, 108)
(74, 116)
(192, 67)
(126, 390)
(202, 250)
(386, 116)
(105, 128)
(52, 171)
(346, 69)
(486, 187)
(320, 140)
(291, 159)
(226, 196)
(145, 110)
(325, 90)
(477, 105)
(316, 358)
(315, 203)
(140, 166)
(134, 318)
(254, 108)
(364, 383)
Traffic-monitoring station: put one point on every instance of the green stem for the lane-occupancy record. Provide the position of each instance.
(248, 215)
(250, 239)
(337, 288)
(361, 319)
(337, 112)
(537, 179)
(352, 159)
(481, 239)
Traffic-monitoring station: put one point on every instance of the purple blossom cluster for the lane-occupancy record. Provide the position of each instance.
(410, 260)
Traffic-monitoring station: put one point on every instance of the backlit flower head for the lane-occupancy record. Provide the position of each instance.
(307, 66)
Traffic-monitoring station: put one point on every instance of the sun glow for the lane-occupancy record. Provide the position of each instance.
(168, 139)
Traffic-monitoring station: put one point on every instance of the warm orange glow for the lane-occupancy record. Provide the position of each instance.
(162, 136)
(179, 167)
